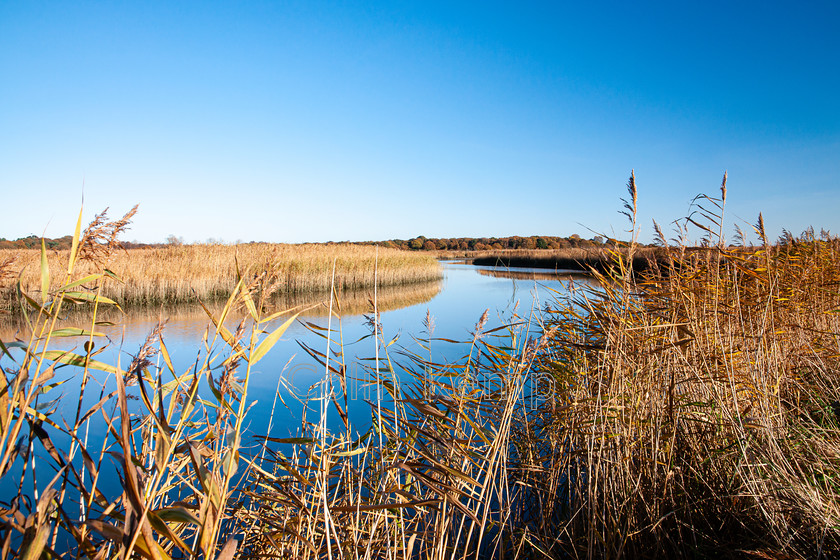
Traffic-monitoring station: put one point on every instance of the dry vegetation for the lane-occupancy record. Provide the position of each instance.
(186, 273)
(685, 411)
(695, 407)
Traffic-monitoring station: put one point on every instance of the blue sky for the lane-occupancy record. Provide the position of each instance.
(315, 121)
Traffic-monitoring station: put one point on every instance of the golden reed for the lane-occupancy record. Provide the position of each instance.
(185, 273)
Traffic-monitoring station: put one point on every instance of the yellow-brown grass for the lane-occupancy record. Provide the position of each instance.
(185, 273)
(692, 409)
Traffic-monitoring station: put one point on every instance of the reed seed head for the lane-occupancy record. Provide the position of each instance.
(100, 239)
(723, 189)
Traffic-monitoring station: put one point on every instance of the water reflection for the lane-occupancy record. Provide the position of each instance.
(358, 302)
(286, 373)
(191, 320)
(454, 306)
(538, 274)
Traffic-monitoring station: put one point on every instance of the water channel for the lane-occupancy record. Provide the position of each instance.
(282, 380)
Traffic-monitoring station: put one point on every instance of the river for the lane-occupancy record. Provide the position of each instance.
(281, 382)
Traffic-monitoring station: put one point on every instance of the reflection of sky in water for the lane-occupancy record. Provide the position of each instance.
(455, 309)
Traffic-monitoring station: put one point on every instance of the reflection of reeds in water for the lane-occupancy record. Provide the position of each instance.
(570, 259)
(581, 278)
(357, 302)
(192, 318)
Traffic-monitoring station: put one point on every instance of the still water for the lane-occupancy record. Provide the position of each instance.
(281, 382)
(285, 384)
(454, 304)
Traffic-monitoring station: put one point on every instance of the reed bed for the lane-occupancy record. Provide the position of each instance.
(187, 273)
(688, 410)
(692, 409)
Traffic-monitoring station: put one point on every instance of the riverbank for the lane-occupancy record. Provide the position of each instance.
(187, 273)
(570, 259)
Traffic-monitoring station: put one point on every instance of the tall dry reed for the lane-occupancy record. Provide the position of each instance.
(693, 409)
(186, 273)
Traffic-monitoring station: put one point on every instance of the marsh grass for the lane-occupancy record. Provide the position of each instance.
(690, 410)
(187, 273)
(693, 407)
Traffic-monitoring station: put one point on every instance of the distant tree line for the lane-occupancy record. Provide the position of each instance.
(57, 244)
(34, 242)
(422, 243)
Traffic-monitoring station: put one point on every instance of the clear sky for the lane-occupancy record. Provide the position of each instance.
(314, 121)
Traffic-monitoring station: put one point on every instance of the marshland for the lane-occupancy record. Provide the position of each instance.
(684, 409)
(434, 336)
(188, 273)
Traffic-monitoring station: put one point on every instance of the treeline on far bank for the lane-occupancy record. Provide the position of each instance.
(56, 244)
(420, 243)
(533, 242)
